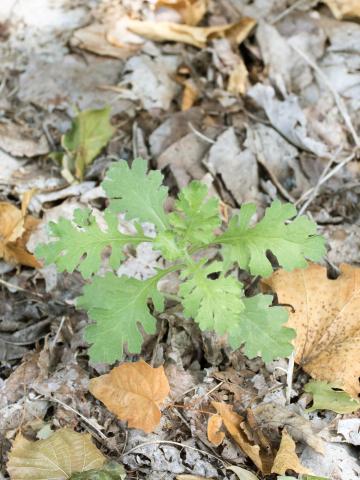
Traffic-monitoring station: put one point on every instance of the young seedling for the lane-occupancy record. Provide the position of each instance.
(209, 292)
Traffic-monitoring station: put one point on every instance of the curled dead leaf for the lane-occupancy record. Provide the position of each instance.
(215, 435)
(190, 94)
(15, 230)
(59, 456)
(191, 11)
(344, 8)
(174, 32)
(233, 422)
(133, 392)
(326, 320)
(286, 457)
(238, 78)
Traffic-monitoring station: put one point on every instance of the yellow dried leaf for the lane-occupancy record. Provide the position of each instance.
(192, 11)
(15, 230)
(238, 79)
(344, 8)
(326, 320)
(286, 458)
(196, 36)
(232, 422)
(59, 456)
(190, 95)
(133, 392)
(215, 435)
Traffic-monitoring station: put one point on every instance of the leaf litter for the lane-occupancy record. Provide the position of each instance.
(220, 94)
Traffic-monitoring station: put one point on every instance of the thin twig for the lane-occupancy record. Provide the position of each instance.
(86, 420)
(323, 179)
(58, 331)
(338, 100)
(11, 286)
(168, 442)
(289, 377)
(200, 135)
(287, 11)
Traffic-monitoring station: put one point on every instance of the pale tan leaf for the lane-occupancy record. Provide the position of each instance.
(232, 422)
(93, 39)
(190, 94)
(344, 8)
(286, 458)
(133, 392)
(15, 230)
(57, 457)
(196, 36)
(243, 474)
(215, 435)
(238, 79)
(192, 11)
(326, 320)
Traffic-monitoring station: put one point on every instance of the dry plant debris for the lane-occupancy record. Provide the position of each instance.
(175, 32)
(59, 456)
(16, 228)
(286, 458)
(134, 392)
(324, 313)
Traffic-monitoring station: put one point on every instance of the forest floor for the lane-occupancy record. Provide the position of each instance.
(267, 111)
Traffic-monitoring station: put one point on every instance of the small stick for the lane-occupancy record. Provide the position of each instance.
(168, 442)
(338, 100)
(323, 178)
(289, 377)
(19, 289)
(86, 420)
(200, 135)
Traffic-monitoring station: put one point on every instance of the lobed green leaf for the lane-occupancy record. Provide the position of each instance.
(291, 243)
(119, 305)
(215, 304)
(195, 218)
(81, 242)
(260, 328)
(136, 193)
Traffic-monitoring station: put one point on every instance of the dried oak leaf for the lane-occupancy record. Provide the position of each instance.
(133, 392)
(326, 320)
(215, 435)
(175, 32)
(59, 456)
(15, 230)
(191, 11)
(286, 457)
(232, 422)
(271, 417)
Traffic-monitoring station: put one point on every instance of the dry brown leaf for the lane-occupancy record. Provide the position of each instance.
(238, 79)
(344, 8)
(196, 36)
(232, 422)
(215, 435)
(326, 320)
(190, 95)
(93, 39)
(133, 392)
(192, 11)
(286, 458)
(59, 456)
(15, 230)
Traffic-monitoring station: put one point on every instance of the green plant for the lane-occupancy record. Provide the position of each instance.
(210, 291)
